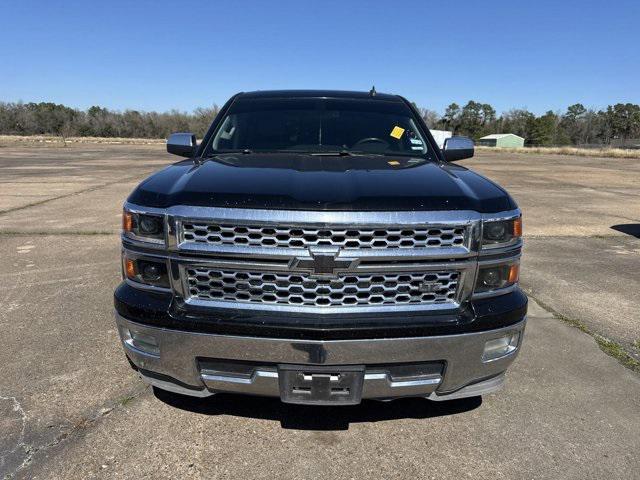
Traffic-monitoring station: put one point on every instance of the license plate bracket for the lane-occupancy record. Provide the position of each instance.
(321, 385)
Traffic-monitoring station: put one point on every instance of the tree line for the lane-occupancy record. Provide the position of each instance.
(47, 118)
(578, 125)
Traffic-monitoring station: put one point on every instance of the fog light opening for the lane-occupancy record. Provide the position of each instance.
(143, 342)
(500, 347)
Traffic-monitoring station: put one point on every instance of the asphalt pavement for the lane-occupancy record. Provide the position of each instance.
(70, 407)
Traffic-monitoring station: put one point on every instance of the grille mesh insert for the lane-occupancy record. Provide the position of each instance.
(299, 289)
(303, 237)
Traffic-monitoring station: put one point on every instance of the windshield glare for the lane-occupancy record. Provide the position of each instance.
(317, 126)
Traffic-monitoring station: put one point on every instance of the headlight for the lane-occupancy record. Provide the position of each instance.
(143, 226)
(147, 272)
(496, 277)
(501, 232)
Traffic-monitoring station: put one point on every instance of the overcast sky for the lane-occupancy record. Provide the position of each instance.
(162, 55)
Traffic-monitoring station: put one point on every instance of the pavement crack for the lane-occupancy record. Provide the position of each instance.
(82, 425)
(27, 233)
(608, 346)
(595, 235)
(23, 417)
(71, 194)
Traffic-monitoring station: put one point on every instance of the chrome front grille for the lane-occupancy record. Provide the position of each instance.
(301, 289)
(323, 262)
(347, 238)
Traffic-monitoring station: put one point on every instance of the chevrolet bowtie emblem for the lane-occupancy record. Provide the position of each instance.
(324, 262)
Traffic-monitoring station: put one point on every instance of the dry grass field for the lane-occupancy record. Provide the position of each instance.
(54, 141)
(58, 141)
(581, 152)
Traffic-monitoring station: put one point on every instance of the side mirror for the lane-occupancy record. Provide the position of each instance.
(457, 148)
(182, 144)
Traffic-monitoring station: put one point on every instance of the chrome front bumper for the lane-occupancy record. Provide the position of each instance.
(172, 361)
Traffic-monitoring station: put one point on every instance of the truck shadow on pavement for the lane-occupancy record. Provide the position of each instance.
(303, 417)
(632, 229)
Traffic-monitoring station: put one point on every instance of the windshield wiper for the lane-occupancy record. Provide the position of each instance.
(344, 153)
(341, 153)
(335, 153)
(244, 151)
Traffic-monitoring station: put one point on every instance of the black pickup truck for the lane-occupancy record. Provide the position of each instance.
(319, 247)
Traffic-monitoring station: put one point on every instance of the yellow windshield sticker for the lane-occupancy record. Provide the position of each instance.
(397, 132)
(394, 163)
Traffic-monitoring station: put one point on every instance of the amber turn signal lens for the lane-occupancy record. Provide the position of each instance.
(127, 221)
(514, 273)
(517, 227)
(130, 268)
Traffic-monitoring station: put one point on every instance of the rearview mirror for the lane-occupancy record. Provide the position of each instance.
(182, 144)
(457, 148)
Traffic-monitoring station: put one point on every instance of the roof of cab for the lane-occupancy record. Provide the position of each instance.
(318, 94)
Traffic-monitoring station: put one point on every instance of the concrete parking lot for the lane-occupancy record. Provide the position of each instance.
(70, 407)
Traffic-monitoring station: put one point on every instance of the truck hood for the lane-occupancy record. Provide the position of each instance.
(307, 182)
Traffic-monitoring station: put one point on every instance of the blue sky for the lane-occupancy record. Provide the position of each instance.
(161, 55)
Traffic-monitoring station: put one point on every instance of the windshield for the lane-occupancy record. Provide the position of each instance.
(320, 126)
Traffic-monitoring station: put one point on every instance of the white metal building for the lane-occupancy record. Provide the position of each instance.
(440, 136)
(502, 140)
